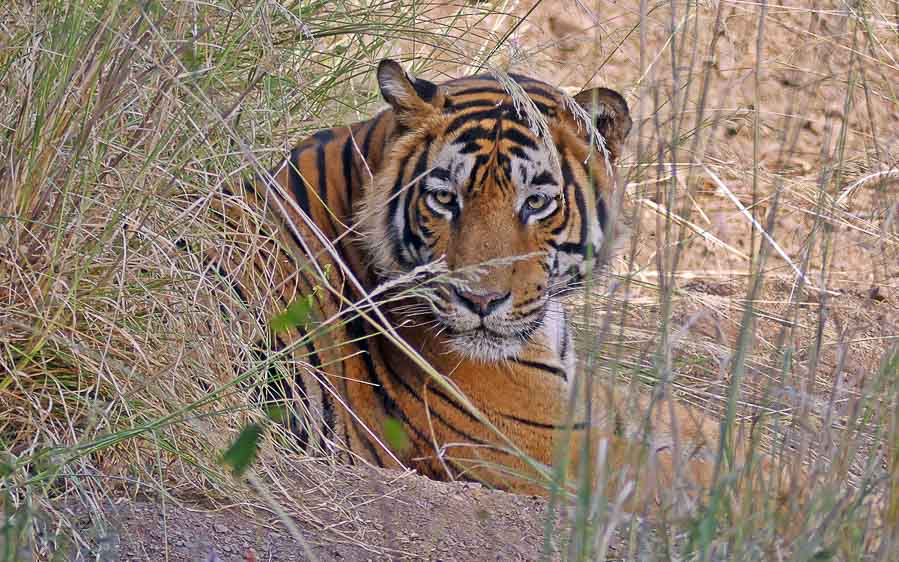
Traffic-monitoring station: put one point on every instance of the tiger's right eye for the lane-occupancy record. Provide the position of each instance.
(444, 197)
(537, 202)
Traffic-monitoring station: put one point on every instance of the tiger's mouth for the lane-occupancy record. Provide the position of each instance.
(486, 333)
(484, 344)
(487, 344)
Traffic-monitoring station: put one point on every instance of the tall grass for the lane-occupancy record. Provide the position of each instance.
(758, 280)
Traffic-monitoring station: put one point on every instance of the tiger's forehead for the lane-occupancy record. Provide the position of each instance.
(523, 172)
(486, 127)
(489, 127)
(485, 90)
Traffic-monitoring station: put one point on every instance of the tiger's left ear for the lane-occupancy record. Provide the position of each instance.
(610, 113)
(409, 96)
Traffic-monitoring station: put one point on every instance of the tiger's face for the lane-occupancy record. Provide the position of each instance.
(509, 198)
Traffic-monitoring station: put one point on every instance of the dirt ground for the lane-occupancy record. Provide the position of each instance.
(452, 521)
(803, 60)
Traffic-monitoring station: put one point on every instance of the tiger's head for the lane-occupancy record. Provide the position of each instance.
(502, 179)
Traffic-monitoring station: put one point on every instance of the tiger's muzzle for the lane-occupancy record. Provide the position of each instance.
(485, 325)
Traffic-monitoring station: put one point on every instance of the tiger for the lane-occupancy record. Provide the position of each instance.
(491, 192)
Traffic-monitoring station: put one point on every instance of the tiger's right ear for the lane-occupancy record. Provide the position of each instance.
(610, 114)
(409, 96)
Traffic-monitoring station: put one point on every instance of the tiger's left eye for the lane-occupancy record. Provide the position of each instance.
(536, 202)
(444, 197)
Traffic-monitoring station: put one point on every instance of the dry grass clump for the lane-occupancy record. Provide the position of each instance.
(750, 289)
(113, 354)
(119, 121)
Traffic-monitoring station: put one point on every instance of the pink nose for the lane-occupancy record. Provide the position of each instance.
(481, 304)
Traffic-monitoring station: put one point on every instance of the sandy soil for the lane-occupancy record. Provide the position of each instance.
(452, 521)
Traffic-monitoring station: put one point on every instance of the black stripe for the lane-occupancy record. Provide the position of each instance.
(506, 112)
(566, 216)
(565, 336)
(322, 179)
(569, 182)
(570, 248)
(417, 240)
(421, 165)
(302, 197)
(324, 136)
(441, 174)
(249, 186)
(582, 209)
(544, 178)
(456, 107)
(392, 208)
(297, 185)
(327, 399)
(327, 407)
(522, 79)
(476, 90)
(325, 200)
(411, 240)
(356, 329)
(346, 157)
(555, 371)
(577, 426)
(516, 136)
(425, 90)
(275, 391)
(517, 151)
(461, 120)
(473, 134)
(235, 286)
(479, 162)
(323, 193)
(366, 143)
(470, 148)
(528, 85)
(274, 376)
(601, 213)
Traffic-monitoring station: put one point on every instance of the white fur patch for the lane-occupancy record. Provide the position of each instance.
(395, 86)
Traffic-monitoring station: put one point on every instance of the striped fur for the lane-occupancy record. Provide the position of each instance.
(452, 173)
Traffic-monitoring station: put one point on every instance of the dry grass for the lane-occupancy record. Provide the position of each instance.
(120, 121)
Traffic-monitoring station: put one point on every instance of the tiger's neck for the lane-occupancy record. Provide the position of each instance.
(532, 380)
(327, 172)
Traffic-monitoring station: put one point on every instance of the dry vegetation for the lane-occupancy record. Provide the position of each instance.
(759, 280)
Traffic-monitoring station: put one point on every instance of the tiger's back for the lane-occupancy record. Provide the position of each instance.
(310, 258)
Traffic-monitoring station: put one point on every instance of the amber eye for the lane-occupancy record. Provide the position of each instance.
(536, 202)
(444, 197)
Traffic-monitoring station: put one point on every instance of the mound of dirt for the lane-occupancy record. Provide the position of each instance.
(406, 517)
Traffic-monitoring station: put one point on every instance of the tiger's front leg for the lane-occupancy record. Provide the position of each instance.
(665, 453)
(653, 456)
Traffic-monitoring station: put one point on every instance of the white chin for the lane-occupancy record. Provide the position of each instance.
(481, 346)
